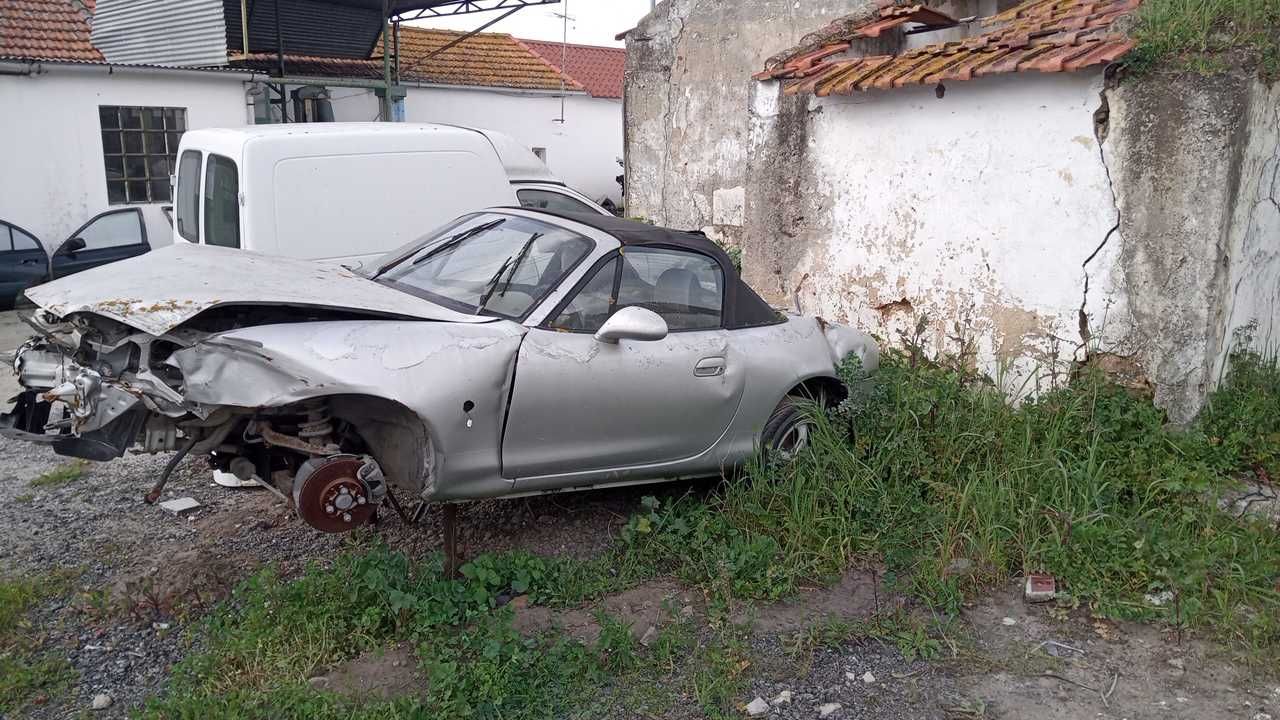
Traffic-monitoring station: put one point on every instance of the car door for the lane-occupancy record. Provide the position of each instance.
(582, 408)
(113, 235)
(23, 263)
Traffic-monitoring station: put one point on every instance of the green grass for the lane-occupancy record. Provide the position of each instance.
(1085, 483)
(25, 673)
(64, 474)
(1195, 33)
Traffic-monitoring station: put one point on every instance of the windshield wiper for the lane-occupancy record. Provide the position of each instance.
(493, 282)
(451, 242)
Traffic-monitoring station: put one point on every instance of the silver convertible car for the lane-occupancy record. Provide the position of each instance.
(510, 353)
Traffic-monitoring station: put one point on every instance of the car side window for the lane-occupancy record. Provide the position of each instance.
(187, 205)
(550, 200)
(591, 306)
(110, 230)
(221, 202)
(23, 241)
(685, 288)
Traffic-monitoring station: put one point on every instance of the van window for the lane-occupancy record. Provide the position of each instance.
(188, 204)
(221, 203)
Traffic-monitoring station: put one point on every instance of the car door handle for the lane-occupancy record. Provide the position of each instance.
(30, 261)
(709, 367)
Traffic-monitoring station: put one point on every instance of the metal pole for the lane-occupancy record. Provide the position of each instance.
(386, 60)
(244, 26)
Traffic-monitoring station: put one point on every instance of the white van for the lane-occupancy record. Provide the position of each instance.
(349, 192)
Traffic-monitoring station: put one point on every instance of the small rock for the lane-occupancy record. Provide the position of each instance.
(101, 701)
(159, 626)
(827, 709)
(1262, 716)
(179, 506)
(1008, 621)
(782, 698)
(868, 678)
(1177, 663)
(318, 682)
(757, 707)
(1158, 599)
(650, 636)
(686, 611)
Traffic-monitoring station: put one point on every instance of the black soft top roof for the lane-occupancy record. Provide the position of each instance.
(742, 306)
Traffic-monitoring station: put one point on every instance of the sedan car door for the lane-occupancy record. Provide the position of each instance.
(23, 263)
(113, 235)
(582, 408)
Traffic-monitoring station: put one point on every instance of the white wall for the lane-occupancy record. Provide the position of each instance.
(583, 151)
(52, 176)
(979, 208)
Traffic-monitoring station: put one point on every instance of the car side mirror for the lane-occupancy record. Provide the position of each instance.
(632, 323)
(71, 247)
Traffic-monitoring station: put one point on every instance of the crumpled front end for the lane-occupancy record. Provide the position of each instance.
(91, 389)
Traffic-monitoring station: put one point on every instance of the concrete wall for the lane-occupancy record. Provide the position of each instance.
(52, 177)
(583, 151)
(688, 76)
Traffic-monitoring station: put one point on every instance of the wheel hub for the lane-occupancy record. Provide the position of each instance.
(330, 494)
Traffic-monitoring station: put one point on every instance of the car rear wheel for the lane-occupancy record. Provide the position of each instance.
(787, 431)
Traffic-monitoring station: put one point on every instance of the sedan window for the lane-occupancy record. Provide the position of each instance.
(498, 265)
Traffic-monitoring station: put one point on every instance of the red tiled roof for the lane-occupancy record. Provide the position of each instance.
(45, 30)
(598, 69)
(1042, 35)
(483, 60)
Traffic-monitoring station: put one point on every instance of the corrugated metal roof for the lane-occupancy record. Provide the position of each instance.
(165, 32)
(598, 69)
(307, 27)
(1041, 35)
(44, 30)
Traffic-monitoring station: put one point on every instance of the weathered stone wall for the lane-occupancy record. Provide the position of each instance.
(1193, 267)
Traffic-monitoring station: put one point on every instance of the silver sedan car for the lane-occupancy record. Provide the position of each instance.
(513, 352)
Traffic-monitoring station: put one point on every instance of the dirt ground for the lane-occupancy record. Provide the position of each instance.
(134, 564)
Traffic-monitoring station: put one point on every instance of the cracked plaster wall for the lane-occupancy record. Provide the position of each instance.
(978, 209)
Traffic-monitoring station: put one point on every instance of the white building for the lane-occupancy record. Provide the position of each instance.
(91, 105)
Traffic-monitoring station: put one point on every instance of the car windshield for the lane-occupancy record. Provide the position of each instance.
(495, 264)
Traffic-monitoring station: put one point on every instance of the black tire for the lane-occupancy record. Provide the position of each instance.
(787, 430)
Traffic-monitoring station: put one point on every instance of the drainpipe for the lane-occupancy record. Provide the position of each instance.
(244, 27)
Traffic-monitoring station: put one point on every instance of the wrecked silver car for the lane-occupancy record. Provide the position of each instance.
(513, 352)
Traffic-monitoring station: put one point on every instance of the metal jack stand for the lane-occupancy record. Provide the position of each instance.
(452, 561)
(450, 526)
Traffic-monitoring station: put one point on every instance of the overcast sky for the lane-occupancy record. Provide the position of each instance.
(592, 22)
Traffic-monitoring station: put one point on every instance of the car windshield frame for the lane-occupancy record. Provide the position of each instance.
(477, 228)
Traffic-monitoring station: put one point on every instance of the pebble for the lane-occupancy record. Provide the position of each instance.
(868, 678)
(757, 707)
(101, 701)
(1176, 663)
(782, 698)
(1008, 621)
(827, 709)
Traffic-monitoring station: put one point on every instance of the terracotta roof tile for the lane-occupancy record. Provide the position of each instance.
(45, 30)
(598, 69)
(484, 60)
(1041, 35)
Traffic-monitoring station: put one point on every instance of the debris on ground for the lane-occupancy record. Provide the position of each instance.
(1040, 588)
(757, 707)
(180, 506)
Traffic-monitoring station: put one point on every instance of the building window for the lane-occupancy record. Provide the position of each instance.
(139, 147)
